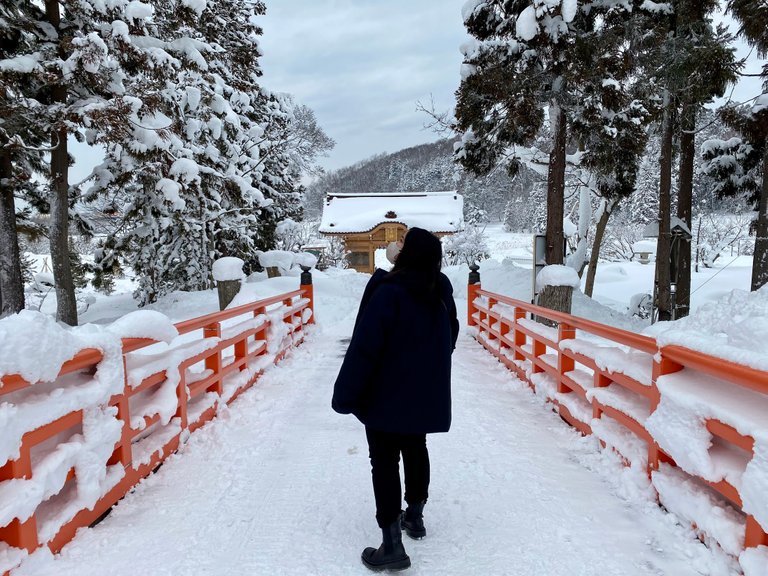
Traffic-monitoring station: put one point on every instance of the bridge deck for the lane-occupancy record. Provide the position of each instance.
(281, 485)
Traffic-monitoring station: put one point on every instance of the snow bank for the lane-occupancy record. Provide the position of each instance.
(228, 268)
(285, 260)
(734, 328)
(557, 275)
(144, 324)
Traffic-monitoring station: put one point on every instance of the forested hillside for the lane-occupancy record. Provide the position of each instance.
(520, 200)
(429, 168)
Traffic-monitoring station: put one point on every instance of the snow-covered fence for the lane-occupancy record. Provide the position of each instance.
(695, 422)
(108, 411)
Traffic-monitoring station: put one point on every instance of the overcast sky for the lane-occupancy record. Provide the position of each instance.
(362, 65)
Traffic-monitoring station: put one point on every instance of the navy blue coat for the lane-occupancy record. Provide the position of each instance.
(396, 375)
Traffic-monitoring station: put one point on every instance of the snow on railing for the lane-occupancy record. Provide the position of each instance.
(86, 413)
(694, 422)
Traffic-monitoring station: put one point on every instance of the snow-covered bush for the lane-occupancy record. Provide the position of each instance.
(466, 247)
(334, 255)
(619, 239)
(717, 234)
(293, 236)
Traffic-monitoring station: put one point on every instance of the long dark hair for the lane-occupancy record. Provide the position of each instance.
(419, 261)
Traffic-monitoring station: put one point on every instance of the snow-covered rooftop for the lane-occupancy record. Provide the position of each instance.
(356, 213)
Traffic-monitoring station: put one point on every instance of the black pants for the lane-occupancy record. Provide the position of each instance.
(384, 449)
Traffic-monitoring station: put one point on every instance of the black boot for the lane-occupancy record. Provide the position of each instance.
(412, 521)
(391, 554)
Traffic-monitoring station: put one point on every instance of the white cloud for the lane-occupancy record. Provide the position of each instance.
(363, 65)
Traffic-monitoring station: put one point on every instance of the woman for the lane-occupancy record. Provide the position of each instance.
(396, 379)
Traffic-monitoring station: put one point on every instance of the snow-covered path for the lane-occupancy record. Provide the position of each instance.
(280, 484)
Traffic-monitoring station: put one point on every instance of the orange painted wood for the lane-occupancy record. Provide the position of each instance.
(59, 425)
(631, 384)
(744, 376)
(472, 290)
(24, 534)
(572, 386)
(625, 420)
(582, 427)
(755, 535)
(581, 359)
(19, 468)
(12, 383)
(729, 433)
(538, 337)
(637, 341)
(21, 534)
(726, 489)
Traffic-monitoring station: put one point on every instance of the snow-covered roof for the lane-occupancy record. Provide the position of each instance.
(652, 229)
(644, 246)
(357, 213)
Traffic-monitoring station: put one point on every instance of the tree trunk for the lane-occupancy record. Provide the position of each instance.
(227, 289)
(555, 298)
(684, 202)
(66, 305)
(760, 259)
(663, 250)
(602, 223)
(11, 283)
(555, 253)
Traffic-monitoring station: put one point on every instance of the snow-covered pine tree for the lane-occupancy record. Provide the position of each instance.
(693, 63)
(610, 120)
(516, 66)
(21, 140)
(741, 164)
(205, 166)
(708, 66)
(529, 56)
(74, 58)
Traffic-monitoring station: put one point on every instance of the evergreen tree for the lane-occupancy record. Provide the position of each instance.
(21, 139)
(741, 164)
(75, 57)
(579, 63)
(206, 160)
(693, 64)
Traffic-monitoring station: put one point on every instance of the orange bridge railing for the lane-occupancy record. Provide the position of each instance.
(221, 355)
(610, 382)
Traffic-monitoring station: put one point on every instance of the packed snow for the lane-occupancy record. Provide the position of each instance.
(557, 275)
(258, 480)
(228, 268)
(251, 476)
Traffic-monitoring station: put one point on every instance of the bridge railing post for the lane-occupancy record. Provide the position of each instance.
(309, 291)
(472, 288)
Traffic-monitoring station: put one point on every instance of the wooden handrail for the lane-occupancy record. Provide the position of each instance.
(638, 341)
(225, 380)
(665, 360)
(90, 356)
(727, 370)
